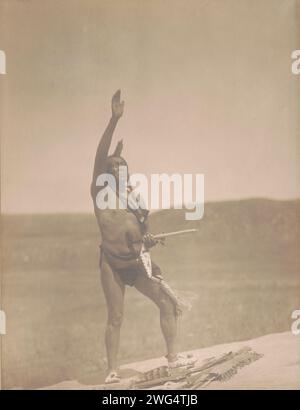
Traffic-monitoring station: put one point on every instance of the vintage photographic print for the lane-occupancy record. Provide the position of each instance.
(150, 195)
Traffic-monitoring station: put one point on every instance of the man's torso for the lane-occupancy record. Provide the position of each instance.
(120, 230)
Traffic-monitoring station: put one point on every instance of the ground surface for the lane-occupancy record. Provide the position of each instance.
(240, 271)
(279, 368)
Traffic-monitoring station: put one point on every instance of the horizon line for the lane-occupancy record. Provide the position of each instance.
(41, 213)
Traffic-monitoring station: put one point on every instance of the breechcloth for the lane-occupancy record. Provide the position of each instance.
(129, 267)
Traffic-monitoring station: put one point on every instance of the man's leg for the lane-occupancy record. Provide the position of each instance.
(168, 316)
(114, 290)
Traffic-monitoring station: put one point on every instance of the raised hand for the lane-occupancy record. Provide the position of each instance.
(117, 106)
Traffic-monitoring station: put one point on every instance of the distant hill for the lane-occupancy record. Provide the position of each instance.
(250, 227)
(246, 228)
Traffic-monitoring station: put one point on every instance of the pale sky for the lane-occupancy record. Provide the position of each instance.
(207, 85)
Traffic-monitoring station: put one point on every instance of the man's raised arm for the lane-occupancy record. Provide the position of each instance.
(117, 107)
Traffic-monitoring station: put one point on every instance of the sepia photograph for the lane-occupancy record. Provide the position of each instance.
(150, 195)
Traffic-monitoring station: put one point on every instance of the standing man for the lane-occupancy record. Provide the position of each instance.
(123, 259)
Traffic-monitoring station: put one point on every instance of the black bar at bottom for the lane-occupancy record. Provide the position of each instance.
(90, 399)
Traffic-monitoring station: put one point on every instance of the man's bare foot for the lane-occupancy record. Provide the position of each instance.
(181, 361)
(112, 377)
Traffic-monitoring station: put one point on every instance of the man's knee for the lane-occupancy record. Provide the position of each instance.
(115, 319)
(165, 304)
